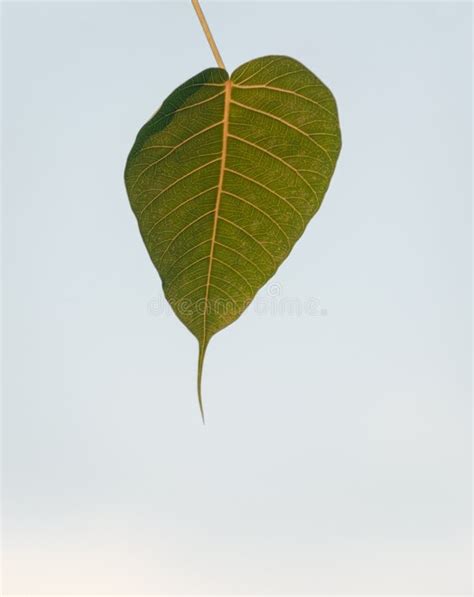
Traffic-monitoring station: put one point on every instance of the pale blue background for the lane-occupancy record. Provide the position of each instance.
(336, 455)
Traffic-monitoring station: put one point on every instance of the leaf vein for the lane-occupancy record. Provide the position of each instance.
(181, 232)
(269, 190)
(229, 248)
(275, 156)
(286, 123)
(250, 236)
(187, 175)
(194, 197)
(290, 92)
(287, 240)
(175, 147)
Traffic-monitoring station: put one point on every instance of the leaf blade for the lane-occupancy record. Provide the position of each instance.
(224, 179)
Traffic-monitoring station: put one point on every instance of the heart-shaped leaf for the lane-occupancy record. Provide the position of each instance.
(223, 180)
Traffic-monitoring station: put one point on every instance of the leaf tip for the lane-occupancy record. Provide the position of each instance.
(202, 352)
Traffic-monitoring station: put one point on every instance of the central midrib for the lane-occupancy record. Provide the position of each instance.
(225, 136)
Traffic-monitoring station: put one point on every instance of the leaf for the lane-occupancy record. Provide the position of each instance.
(223, 180)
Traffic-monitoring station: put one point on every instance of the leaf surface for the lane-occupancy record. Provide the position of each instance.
(223, 180)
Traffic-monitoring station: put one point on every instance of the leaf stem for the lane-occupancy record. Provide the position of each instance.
(208, 34)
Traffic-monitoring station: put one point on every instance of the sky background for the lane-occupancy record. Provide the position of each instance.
(336, 454)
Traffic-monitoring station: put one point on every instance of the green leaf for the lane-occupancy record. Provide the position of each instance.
(223, 180)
